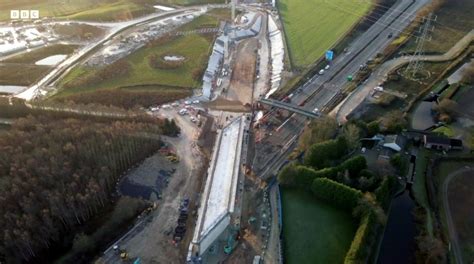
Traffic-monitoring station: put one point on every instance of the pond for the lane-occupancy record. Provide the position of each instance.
(173, 58)
(51, 60)
(398, 244)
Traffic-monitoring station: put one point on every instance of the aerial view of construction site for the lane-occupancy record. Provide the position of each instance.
(237, 131)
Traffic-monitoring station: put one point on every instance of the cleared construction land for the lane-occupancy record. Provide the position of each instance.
(313, 231)
(82, 10)
(12, 70)
(313, 26)
(141, 76)
(243, 75)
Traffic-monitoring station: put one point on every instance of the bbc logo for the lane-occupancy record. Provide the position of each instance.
(24, 14)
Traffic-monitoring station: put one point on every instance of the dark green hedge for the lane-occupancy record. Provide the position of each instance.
(335, 193)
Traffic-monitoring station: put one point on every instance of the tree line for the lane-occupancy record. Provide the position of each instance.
(332, 175)
(56, 174)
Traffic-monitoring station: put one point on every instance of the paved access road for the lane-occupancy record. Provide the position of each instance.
(320, 89)
(380, 75)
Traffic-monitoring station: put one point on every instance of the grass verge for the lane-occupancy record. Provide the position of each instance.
(314, 232)
(419, 186)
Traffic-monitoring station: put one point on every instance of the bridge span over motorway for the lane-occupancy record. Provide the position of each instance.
(320, 90)
(289, 107)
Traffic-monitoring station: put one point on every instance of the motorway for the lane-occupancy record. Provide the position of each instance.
(321, 89)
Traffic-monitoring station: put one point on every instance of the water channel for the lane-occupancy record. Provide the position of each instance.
(398, 244)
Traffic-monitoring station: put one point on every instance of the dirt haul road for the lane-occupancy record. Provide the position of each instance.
(243, 75)
(153, 243)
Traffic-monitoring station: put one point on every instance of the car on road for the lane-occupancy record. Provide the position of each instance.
(321, 72)
(315, 110)
(196, 102)
(187, 102)
(327, 67)
(390, 35)
(378, 89)
(175, 104)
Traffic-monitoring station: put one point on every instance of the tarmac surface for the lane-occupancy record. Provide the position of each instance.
(321, 89)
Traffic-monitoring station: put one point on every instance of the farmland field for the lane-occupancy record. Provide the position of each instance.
(313, 26)
(142, 77)
(461, 203)
(314, 232)
(84, 9)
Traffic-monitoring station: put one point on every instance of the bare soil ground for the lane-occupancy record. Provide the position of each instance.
(227, 105)
(153, 243)
(461, 203)
(254, 213)
(243, 75)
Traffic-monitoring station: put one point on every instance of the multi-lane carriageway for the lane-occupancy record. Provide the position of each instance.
(321, 89)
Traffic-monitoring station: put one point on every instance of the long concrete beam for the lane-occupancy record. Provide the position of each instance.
(289, 107)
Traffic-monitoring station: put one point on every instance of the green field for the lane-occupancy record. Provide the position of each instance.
(461, 202)
(419, 186)
(145, 79)
(83, 9)
(314, 232)
(313, 26)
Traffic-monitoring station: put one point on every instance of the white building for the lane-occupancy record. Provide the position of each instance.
(214, 65)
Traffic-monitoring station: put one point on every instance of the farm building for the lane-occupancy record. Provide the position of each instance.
(394, 142)
(441, 143)
(219, 213)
